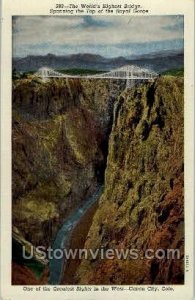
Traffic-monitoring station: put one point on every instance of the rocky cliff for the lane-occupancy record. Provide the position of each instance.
(142, 205)
(59, 136)
(59, 148)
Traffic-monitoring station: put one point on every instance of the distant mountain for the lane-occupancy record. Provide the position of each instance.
(158, 62)
(151, 55)
(161, 61)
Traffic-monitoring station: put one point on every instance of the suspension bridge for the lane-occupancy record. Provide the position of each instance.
(130, 73)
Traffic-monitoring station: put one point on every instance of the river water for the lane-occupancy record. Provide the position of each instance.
(62, 240)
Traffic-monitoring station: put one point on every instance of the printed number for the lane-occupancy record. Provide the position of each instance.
(187, 263)
(59, 5)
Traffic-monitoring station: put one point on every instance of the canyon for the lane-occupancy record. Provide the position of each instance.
(69, 136)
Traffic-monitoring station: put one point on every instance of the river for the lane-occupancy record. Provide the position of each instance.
(62, 240)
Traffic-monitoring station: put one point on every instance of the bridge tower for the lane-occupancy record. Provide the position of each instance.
(44, 74)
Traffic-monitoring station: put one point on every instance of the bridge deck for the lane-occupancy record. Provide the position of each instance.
(103, 77)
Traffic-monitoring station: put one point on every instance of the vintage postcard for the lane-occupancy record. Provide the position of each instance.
(97, 153)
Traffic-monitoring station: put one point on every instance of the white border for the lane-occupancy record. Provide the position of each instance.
(36, 7)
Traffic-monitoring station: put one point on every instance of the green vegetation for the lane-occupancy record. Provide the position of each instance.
(21, 75)
(174, 72)
(35, 266)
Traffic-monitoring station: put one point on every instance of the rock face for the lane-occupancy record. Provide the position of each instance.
(142, 205)
(59, 153)
(60, 133)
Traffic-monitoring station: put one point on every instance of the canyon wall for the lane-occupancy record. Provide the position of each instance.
(59, 140)
(142, 204)
(60, 132)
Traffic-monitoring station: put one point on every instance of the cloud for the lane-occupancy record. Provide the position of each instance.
(43, 34)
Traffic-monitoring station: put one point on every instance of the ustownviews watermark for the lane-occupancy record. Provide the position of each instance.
(99, 253)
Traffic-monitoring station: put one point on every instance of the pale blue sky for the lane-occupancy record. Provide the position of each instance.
(107, 36)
